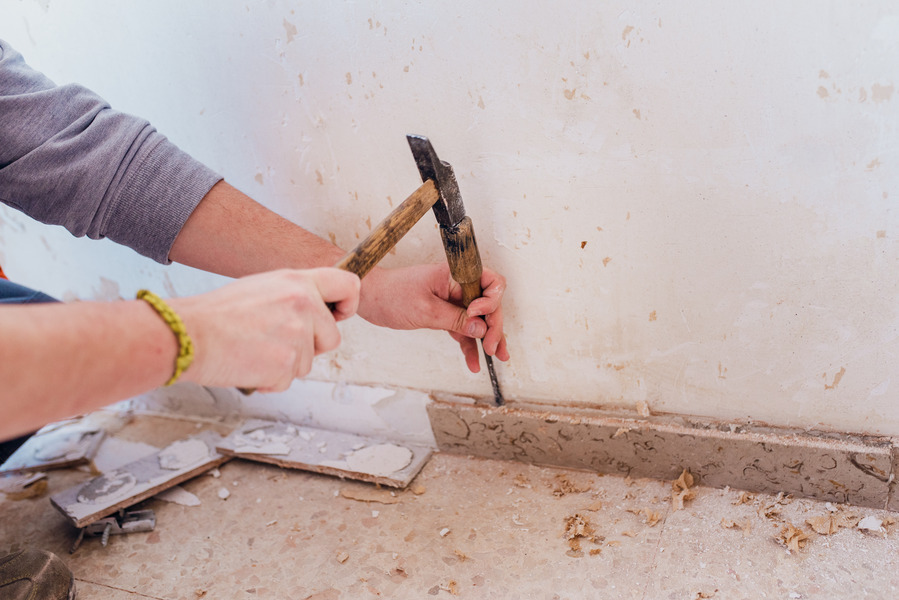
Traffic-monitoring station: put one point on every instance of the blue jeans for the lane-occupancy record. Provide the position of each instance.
(13, 293)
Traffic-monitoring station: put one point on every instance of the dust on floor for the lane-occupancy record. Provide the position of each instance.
(467, 528)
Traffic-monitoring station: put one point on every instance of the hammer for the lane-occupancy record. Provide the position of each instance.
(440, 192)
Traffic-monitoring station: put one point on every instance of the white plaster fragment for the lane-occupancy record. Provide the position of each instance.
(444, 532)
(178, 495)
(380, 459)
(871, 523)
(182, 454)
(279, 448)
(224, 493)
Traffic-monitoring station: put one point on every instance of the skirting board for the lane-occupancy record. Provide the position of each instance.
(849, 469)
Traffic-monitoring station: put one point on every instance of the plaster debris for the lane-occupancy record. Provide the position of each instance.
(115, 452)
(745, 498)
(276, 448)
(107, 489)
(833, 522)
(652, 517)
(369, 495)
(680, 490)
(375, 514)
(23, 487)
(215, 473)
(643, 409)
(461, 555)
(418, 489)
(266, 439)
(270, 523)
(871, 523)
(68, 446)
(224, 493)
(792, 537)
(452, 587)
(565, 486)
(182, 454)
(746, 527)
(178, 495)
(342, 556)
(444, 532)
(577, 528)
(380, 459)
(522, 481)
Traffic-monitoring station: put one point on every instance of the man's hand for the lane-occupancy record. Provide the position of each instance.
(425, 296)
(263, 331)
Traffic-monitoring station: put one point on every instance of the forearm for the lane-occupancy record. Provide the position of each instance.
(59, 360)
(231, 234)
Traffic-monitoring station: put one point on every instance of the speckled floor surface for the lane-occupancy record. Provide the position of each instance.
(476, 529)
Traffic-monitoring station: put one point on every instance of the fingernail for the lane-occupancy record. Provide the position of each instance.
(475, 329)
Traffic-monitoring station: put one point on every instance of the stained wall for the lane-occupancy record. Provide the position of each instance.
(693, 204)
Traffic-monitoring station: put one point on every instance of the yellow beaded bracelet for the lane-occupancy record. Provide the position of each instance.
(185, 344)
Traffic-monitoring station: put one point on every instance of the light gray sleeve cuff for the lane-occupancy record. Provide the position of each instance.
(155, 196)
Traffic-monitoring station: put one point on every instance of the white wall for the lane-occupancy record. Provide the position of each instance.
(692, 203)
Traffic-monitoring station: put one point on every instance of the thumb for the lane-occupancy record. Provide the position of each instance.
(455, 319)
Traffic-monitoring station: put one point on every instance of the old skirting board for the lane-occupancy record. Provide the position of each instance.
(856, 470)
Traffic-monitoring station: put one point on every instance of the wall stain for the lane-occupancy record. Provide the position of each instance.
(652, 316)
(822, 91)
(882, 233)
(881, 93)
(319, 178)
(836, 379)
(349, 78)
(291, 30)
(873, 165)
(637, 114)
(606, 261)
(108, 290)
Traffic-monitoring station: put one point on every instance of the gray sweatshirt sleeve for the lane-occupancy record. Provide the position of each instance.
(67, 158)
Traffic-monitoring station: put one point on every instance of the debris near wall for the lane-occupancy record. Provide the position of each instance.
(681, 490)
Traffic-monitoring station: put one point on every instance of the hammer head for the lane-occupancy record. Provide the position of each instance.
(449, 209)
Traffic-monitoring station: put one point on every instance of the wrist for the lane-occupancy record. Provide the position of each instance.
(185, 348)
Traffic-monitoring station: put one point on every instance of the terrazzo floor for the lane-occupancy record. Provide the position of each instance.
(466, 528)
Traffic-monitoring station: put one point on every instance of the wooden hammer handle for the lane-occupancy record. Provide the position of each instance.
(463, 258)
(362, 259)
(369, 252)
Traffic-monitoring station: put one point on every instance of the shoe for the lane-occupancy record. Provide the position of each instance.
(35, 575)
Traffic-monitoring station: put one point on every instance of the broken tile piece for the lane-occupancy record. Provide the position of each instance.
(104, 495)
(345, 455)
